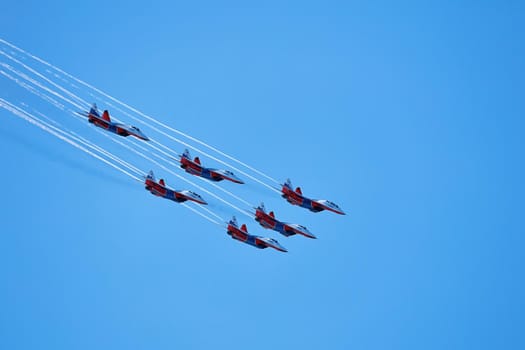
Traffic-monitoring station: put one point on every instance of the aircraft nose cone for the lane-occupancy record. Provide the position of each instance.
(309, 234)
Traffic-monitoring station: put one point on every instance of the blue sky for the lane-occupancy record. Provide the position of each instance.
(408, 115)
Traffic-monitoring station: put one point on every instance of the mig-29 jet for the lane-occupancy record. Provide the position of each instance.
(241, 234)
(316, 205)
(104, 121)
(194, 167)
(160, 189)
(268, 220)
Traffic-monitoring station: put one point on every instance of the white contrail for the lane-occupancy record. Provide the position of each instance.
(136, 111)
(33, 90)
(201, 214)
(211, 212)
(61, 107)
(26, 116)
(105, 152)
(44, 78)
(102, 150)
(81, 140)
(46, 127)
(134, 118)
(96, 147)
(24, 76)
(108, 154)
(118, 160)
(42, 115)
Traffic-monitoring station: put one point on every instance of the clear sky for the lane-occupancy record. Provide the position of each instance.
(410, 116)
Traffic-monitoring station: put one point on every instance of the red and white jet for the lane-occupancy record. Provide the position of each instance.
(160, 189)
(241, 234)
(268, 220)
(316, 205)
(194, 167)
(105, 123)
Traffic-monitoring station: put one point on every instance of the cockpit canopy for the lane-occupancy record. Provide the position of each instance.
(194, 194)
(333, 204)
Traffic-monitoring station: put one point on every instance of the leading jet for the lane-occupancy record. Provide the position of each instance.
(316, 205)
(160, 189)
(268, 220)
(104, 121)
(194, 167)
(241, 234)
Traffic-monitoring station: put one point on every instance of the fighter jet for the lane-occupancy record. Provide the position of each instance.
(160, 189)
(241, 234)
(105, 122)
(316, 205)
(194, 167)
(268, 220)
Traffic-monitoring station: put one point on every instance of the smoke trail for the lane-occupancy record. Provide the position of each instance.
(62, 107)
(82, 141)
(211, 212)
(108, 154)
(33, 90)
(72, 135)
(201, 214)
(114, 157)
(118, 160)
(48, 128)
(131, 116)
(139, 120)
(90, 144)
(29, 118)
(137, 111)
(23, 76)
(70, 94)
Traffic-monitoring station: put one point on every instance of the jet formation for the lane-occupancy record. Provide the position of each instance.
(194, 167)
